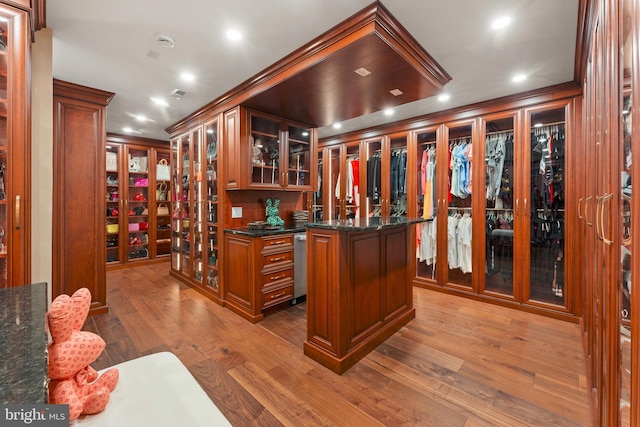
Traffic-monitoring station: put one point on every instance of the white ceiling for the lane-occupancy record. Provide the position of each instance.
(104, 44)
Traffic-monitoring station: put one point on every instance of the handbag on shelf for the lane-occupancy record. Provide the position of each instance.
(137, 164)
(139, 210)
(141, 182)
(144, 225)
(161, 191)
(112, 228)
(163, 173)
(163, 209)
(134, 226)
(112, 161)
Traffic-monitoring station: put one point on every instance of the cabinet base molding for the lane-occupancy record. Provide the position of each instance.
(213, 297)
(340, 365)
(510, 303)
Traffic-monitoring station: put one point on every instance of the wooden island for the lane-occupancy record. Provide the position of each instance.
(359, 289)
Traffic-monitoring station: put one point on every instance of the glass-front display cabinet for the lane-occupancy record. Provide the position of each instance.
(426, 141)
(544, 205)
(502, 205)
(281, 153)
(459, 248)
(162, 213)
(628, 385)
(211, 208)
(14, 140)
(136, 203)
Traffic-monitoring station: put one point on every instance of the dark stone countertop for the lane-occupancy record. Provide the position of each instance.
(366, 224)
(261, 233)
(23, 357)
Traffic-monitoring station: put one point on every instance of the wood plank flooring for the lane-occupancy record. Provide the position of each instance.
(459, 363)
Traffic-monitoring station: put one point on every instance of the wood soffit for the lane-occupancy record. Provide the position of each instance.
(317, 84)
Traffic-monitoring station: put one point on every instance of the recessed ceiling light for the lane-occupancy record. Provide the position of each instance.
(305, 133)
(234, 34)
(501, 23)
(519, 78)
(127, 129)
(160, 101)
(396, 92)
(210, 131)
(141, 118)
(363, 72)
(388, 111)
(187, 77)
(337, 125)
(444, 97)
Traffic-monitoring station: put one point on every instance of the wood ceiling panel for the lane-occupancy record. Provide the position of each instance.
(331, 91)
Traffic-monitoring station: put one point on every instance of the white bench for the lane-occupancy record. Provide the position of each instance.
(156, 390)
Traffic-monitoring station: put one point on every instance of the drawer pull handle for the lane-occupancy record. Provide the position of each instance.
(281, 294)
(280, 276)
(277, 242)
(276, 259)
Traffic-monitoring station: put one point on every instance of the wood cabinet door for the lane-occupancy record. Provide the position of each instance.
(232, 149)
(79, 207)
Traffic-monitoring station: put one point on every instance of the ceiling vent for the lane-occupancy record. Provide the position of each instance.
(165, 41)
(178, 94)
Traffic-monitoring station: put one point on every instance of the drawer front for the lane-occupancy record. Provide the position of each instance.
(275, 277)
(272, 259)
(276, 296)
(277, 242)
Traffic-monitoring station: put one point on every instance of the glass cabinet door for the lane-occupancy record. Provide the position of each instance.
(373, 158)
(545, 206)
(114, 202)
(137, 203)
(265, 158)
(317, 208)
(298, 156)
(14, 197)
(197, 223)
(459, 197)
(211, 206)
(500, 217)
(179, 203)
(426, 203)
(163, 218)
(627, 318)
(333, 189)
(397, 205)
(351, 193)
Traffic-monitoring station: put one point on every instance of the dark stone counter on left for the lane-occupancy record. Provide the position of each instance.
(23, 353)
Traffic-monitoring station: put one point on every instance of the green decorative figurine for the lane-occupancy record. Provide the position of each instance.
(272, 213)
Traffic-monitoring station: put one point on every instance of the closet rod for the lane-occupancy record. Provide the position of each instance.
(548, 125)
(500, 131)
(429, 143)
(461, 139)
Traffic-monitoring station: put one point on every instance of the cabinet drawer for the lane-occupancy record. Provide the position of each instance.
(269, 279)
(276, 242)
(269, 260)
(276, 296)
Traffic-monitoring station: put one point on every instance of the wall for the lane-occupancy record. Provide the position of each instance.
(42, 158)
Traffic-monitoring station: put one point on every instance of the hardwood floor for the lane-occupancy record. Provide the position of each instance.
(459, 363)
